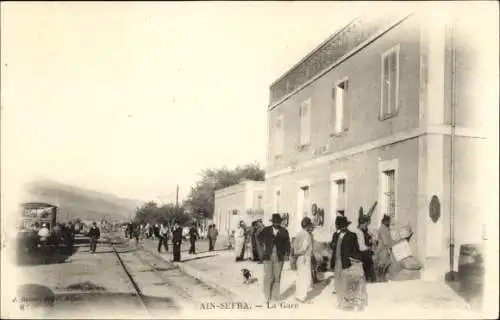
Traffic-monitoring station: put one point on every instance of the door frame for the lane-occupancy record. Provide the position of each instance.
(300, 201)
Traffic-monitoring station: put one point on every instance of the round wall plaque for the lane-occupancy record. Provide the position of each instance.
(435, 209)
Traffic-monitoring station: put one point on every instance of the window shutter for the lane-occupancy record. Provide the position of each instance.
(347, 111)
(308, 124)
(386, 86)
(393, 78)
(332, 109)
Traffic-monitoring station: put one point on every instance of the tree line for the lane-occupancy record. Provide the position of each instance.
(200, 201)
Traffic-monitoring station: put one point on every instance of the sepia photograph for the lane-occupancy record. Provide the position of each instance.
(249, 160)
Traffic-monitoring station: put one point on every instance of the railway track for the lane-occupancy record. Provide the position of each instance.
(161, 285)
(137, 289)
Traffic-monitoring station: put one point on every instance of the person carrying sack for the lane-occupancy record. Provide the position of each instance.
(382, 252)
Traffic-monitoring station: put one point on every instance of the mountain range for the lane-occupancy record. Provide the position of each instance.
(85, 204)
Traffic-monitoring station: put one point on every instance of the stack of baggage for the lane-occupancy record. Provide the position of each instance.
(404, 265)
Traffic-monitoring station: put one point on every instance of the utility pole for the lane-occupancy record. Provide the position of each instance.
(177, 199)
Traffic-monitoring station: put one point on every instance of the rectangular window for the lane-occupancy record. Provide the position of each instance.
(341, 196)
(277, 196)
(303, 203)
(390, 193)
(390, 83)
(259, 202)
(279, 136)
(341, 113)
(305, 122)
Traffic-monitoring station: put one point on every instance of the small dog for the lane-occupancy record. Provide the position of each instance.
(247, 276)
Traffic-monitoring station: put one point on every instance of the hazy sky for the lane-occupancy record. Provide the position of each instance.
(132, 98)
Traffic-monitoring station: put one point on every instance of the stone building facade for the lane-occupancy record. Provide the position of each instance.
(383, 111)
(243, 201)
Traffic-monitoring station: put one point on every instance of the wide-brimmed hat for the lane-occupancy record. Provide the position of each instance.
(342, 221)
(276, 218)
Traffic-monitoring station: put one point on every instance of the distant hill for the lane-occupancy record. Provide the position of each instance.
(75, 202)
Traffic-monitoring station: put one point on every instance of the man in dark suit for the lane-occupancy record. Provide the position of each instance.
(94, 234)
(193, 236)
(344, 247)
(177, 241)
(276, 245)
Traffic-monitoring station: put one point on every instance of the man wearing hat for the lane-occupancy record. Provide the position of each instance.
(383, 249)
(177, 241)
(276, 249)
(365, 245)
(94, 234)
(346, 260)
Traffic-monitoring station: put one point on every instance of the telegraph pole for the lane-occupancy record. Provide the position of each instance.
(177, 199)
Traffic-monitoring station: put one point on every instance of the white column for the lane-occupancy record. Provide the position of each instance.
(432, 243)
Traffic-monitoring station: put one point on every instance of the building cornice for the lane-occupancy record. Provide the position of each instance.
(224, 193)
(315, 50)
(378, 34)
(379, 143)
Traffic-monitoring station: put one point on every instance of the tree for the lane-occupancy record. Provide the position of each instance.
(201, 197)
(146, 212)
(152, 213)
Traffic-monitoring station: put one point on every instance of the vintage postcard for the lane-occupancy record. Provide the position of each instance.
(249, 160)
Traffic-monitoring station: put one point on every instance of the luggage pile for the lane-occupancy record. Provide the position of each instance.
(405, 266)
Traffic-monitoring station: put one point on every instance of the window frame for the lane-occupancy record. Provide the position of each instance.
(345, 103)
(279, 136)
(259, 204)
(385, 166)
(334, 195)
(276, 204)
(303, 185)
(393, 111)
(303, 142)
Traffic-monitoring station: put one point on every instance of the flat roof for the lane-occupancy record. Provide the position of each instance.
(32, 205)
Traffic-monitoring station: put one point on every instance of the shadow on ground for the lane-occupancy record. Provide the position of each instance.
(198, 258)
(44, 255)
(84, 304)
(316, 291)
(473, 296)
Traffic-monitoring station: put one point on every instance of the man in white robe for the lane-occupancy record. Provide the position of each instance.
(303, 250)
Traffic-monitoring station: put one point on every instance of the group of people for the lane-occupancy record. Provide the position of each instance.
(165, 233)
(60, 233)
(247, 241)
(356, 258)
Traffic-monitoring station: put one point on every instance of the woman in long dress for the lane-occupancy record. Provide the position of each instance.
(303, 251)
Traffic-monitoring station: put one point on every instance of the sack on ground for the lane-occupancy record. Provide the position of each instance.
(410, 263)
(355, 271)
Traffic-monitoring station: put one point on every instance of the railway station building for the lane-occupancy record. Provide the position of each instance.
(387, 109)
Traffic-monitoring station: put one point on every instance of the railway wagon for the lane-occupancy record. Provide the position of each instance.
(33, 216)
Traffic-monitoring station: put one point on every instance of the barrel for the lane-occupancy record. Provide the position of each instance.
(471, 270)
